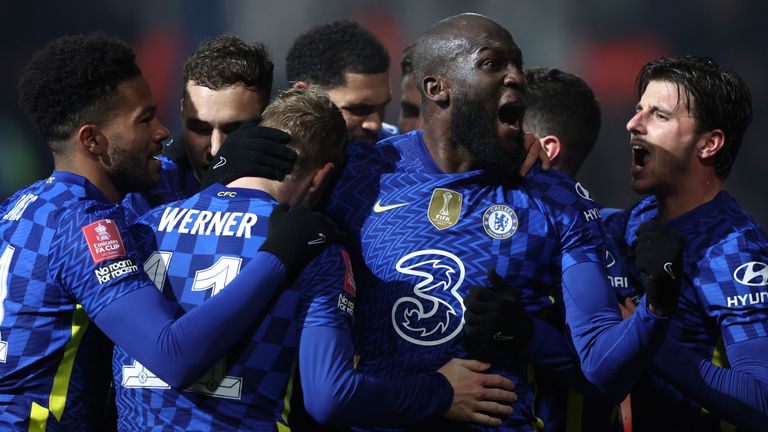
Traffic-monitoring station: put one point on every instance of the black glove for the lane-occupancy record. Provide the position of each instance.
(251, 151)
(659, 258)
(297, 235)
(495, 315)
(176, 151)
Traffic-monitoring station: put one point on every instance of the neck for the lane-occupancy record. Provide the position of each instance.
(697, 190)
(91, 170)
(282, 191)
(449, 156)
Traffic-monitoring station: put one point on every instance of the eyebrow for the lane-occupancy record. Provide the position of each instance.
(653, 108)
(516, 53)
(147, 110)
(197, 121)
(364, 104)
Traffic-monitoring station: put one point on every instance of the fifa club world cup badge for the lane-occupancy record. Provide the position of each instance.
(444, 208)
(104, 241)
(500, 221)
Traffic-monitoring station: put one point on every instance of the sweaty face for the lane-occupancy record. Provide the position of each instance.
(474, 130)
(663, 139)
(410, 105)
(208, 116)
(135, 136)
(362, 101)
(487, 95)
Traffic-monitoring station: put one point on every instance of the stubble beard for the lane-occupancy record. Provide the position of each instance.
(473, 129)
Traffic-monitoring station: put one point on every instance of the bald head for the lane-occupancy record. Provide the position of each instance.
(438, 48)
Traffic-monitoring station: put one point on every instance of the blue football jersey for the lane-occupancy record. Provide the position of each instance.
(425, 237)
(201, 244)
(177, 182)
(64, 255)
(724, 299)
(559, 407)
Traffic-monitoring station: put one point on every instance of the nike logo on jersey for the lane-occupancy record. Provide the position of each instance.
(222, 161)
(668, 269)
(500, 337)
(378, 208)
(319, 240)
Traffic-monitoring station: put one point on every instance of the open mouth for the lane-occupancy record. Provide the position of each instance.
(640, 154)
(511, 114)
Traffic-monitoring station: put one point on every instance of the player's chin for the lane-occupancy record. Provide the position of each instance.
(511, 137)
(641, 185)
(363, 137)
(152, 175)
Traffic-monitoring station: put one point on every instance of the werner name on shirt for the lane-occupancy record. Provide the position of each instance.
(205, 222)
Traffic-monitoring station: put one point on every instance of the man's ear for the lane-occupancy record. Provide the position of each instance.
(551, 145)
(317, 184)
(711, 143)
(319, 179)
(300, 84)
(436, 88)
(91, 140)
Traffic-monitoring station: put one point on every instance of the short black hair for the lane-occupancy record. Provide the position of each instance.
(716, 97)
(73, 80)
(406, 64)
(322, 55)
(228, 60)
(562, 104)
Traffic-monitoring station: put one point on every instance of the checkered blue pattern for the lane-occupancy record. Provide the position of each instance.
(49, 273)
(413, 277)
(176, 183)
(721, 241)
(725, 286)
(616, 267)
(263, 364)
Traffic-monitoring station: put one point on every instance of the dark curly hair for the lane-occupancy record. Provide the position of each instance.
(716, 97)
(322, 55)
(73, 80)
(562, 104)
(406, 64)
(227, 60)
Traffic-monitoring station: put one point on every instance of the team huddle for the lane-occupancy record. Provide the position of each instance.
(297, 264)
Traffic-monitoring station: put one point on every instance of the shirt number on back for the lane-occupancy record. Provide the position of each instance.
(216, 277)
(5, 267)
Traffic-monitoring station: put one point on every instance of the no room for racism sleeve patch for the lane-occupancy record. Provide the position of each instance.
(104, 240)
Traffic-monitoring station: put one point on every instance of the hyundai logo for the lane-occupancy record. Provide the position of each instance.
(752, 273)
(582, 192)
(609, 259)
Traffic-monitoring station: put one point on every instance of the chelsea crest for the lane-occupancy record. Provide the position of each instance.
(500, 221)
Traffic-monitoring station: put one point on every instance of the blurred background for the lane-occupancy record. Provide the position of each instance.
(604, 41)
